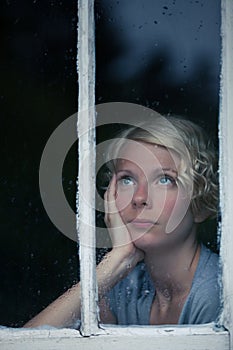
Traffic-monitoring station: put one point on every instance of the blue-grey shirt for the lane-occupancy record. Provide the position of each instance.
(131, 299)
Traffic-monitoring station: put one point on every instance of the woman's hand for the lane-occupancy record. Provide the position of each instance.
(124, 255)
(120, 236)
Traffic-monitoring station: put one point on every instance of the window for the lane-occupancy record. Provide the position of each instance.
(197, 337)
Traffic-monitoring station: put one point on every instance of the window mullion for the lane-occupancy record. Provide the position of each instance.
(226, 161)
(86, 177)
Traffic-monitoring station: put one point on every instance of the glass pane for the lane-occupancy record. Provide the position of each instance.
(164, 55)
(39, 91)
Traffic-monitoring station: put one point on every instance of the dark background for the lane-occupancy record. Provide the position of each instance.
(161, 54)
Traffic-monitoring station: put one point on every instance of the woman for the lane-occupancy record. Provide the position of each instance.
(163, 187)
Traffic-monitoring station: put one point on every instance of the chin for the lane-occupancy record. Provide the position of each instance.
(148, 240)
(145, 241)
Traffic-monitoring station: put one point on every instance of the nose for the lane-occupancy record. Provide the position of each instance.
(141, 197)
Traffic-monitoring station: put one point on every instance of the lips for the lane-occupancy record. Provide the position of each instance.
(142, 223)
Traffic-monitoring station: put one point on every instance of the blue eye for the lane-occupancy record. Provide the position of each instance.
(166, 180)
(126, 181)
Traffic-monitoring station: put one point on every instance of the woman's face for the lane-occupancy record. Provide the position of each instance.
(150, 201)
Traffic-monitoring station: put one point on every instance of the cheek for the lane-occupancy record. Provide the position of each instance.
(169, 205)
(165, 204)
(175, 210)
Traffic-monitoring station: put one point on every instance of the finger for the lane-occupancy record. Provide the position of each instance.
(112, 188)
(106, 204)
(106, 210)
(110, 197)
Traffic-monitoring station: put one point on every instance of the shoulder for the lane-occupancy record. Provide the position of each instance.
(203, 303)
(208, 268)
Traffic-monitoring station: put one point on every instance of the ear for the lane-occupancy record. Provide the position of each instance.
(201, 216)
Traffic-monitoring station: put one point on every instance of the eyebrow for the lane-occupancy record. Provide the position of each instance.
(170, 169)
(159, 171)
(123, 171)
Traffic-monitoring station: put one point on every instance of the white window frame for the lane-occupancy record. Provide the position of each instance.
(208, 336)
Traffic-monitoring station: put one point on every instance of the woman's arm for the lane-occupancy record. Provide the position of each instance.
(66, 310)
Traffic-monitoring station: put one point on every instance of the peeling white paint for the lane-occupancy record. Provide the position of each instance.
(86, 177)
(226, 163)
(116, 338)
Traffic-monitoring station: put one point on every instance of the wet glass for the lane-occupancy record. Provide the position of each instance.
(38, 91)
(164, 55)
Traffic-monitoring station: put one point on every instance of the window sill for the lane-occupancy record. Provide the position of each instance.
(115, 337)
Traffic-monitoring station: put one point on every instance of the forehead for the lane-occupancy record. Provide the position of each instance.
(146, 155)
